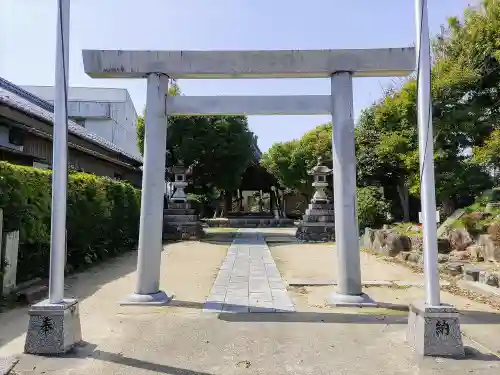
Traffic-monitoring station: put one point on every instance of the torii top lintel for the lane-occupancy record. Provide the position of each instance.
(383, 62)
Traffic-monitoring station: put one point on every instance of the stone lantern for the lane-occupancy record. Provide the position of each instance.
(320, 174)
(318, 222)
(180, 221)
(179, 182)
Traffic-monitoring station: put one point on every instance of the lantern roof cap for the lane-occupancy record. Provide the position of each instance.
(179, 168)
(319, 169)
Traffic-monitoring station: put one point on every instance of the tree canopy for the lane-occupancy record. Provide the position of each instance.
(466, 110)
(219, 148)
(290, 161)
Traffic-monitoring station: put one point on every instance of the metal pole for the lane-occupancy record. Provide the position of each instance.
(426, 153)
(59, 157)
(344, 181)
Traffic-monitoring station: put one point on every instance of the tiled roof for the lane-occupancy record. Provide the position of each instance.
(15, 97)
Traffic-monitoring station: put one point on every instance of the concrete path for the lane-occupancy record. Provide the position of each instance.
(179, 339)
(248, 280)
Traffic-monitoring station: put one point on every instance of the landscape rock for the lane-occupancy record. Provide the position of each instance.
(443, 258)
(404, 255)
(368, 238)
(379, 237)
(386, 242)
(459, 255)
(395, 243)
(460, 239)
(414, 257)
(417, 243)
(489, 278)
(471, 274)
(453, 269)
(476, 253)
(444, 246)
(490, 249)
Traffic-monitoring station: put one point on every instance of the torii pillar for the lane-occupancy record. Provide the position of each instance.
(338, 65)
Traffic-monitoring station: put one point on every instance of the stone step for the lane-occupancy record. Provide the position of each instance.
(306, 224)
(184, 224)
(315, 212)
(179, 211)
(319, 218)
(320, 206)
(180, 218)
(183, 231)
(319, 233)
(249, 223)
(179, 205)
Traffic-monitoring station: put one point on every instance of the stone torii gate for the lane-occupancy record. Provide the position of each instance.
(433, 327)
(340, 66)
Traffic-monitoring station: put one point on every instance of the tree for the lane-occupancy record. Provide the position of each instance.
(372, 208)
(471, 45)
(219, 148)
(290, 161)
(382, 157)
(281, 162)
(488, 155)
(466, 112)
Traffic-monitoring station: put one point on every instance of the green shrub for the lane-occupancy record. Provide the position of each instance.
(489, 196)
(372, 207)
(102, 217)
(475, 223)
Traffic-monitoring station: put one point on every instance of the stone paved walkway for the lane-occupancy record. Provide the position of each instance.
(248, 280)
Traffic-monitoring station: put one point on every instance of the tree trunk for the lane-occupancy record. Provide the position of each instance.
(404, 197)
(240, 200)
(448, 206)
(217, 211)
(228, 202)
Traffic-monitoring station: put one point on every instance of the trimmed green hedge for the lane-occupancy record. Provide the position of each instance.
(102, 217)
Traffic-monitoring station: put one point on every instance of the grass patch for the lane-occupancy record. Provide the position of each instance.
(407, 229)
(221, 230)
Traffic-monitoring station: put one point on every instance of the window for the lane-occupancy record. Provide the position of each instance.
(16, 136)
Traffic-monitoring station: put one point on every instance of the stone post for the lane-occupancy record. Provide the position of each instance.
(344, 189)
(433, 327)
(153, 185)
(54, 323)
(10, 251)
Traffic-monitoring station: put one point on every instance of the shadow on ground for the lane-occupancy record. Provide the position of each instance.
(386, 313)
(91, 351)
(87, 350)
(14, 323)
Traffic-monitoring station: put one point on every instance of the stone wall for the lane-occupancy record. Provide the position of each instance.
(248, 222)
(458, 253)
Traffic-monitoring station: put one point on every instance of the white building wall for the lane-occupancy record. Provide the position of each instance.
(108, 113)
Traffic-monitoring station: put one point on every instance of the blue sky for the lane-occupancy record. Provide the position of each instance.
(27, 41)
